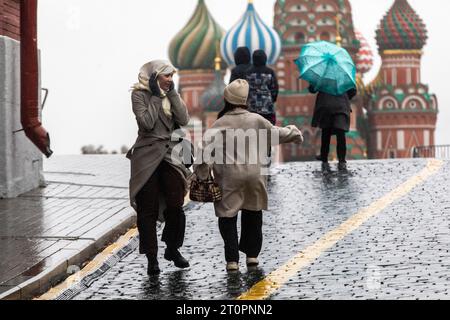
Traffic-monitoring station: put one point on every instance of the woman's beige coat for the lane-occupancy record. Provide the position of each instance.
(244, 186)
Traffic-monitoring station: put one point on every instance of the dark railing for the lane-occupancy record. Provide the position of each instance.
(438, 152)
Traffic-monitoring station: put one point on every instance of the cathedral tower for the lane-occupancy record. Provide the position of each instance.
(402, 112)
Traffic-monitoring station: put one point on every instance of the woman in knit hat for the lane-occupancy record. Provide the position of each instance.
(243, 184)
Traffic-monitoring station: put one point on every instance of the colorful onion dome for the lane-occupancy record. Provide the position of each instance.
(401, 29)
(213, 98)
(194, 47)
(364, 58)
(251, 32)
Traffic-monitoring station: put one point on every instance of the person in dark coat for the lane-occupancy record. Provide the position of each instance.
(242, 59)
(263, 87)
(332, 115)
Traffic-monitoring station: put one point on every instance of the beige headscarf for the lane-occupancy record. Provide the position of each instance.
(160, 67)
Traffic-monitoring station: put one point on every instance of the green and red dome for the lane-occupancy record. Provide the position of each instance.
(401, 29)
(194, 47)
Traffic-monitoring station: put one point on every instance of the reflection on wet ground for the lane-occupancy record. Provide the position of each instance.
(305, 204)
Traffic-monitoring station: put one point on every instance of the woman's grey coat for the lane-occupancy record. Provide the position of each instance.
(154, 143)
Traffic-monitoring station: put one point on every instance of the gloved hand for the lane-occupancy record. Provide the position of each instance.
(172, 86)
(312, 89)
(302, 138)
(154, 86)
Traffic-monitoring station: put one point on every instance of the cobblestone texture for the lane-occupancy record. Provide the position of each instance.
(403, 253)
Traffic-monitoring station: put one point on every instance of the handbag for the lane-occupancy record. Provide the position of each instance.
(205, 190)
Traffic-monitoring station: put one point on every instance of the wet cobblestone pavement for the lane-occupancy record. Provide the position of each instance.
(401, 253)
(83, 207)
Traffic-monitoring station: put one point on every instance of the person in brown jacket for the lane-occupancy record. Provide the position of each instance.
(158, 176)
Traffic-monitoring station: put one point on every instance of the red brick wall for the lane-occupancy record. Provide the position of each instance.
(10, 18)
(193, 85)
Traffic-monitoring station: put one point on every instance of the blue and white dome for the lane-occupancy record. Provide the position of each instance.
(253, 33)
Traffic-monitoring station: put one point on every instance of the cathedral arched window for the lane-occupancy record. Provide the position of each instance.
(388, 103)
(298, 8)
(298, 22)
(325, 22)
(325, 8)
(413, 104)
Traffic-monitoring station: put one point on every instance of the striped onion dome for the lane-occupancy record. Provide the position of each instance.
(194, 47)
(253, 33)
(401, 29)
(364, 58)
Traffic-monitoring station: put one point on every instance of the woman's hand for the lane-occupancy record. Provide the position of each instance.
(312, 89)
(154, 86)
(171, 87)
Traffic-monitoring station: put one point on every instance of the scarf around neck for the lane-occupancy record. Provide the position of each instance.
(160, 67)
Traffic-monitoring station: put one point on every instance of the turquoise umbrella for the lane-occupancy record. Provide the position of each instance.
(327, 67)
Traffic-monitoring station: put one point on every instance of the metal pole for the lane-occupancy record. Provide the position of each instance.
(30, 77)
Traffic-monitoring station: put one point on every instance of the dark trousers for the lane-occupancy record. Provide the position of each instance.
(251, 235)
(341, 144)
(166, 181)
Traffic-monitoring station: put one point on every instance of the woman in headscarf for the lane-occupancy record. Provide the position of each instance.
(158, 175)
(240, 172)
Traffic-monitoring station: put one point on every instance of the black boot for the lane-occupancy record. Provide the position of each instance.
(342, 166)
(175, 256)
(153, 266)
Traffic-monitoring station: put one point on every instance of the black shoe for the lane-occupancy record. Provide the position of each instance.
(326, 167)
(153, 267)
(177, 258)
(320, 158)
(342, 166)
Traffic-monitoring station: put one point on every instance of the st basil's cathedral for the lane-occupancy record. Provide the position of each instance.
(391, 115)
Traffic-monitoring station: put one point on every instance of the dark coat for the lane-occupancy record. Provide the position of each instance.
(263, 85)
(242, 59)
(332, 112)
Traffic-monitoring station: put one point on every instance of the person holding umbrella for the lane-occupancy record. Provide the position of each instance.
(332, 115)
(331, 73)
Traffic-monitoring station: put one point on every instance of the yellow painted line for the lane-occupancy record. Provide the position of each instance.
(92, 266)
(98, 261)
(274, 281)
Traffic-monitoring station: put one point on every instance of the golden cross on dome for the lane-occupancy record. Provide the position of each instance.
(218, 59)
(338, 30)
